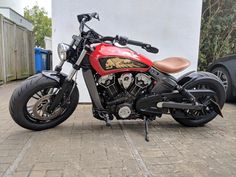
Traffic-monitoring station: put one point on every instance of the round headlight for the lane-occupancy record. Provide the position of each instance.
(62, 49)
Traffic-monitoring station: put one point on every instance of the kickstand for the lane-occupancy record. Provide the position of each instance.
(146, 121)
(108, 120)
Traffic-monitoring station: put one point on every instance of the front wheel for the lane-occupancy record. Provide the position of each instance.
(194, 118)
(30, 101)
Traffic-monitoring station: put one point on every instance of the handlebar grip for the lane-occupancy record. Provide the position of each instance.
(145, 46)
(137, 43)
(124, 41)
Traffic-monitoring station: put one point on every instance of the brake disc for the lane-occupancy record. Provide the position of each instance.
(40, 109)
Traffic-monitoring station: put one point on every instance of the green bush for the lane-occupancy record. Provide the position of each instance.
(218, 31)
(42, 24)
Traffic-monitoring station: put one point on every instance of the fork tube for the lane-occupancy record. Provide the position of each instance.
(72, 73)
(77, 64)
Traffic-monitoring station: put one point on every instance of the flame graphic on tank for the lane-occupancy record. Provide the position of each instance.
(118, 63)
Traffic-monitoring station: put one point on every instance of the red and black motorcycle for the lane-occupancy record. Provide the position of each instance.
(121, 83)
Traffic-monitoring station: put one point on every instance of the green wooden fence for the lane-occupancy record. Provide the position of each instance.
(16, 51)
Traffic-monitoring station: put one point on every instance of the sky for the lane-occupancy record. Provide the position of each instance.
(19, 5)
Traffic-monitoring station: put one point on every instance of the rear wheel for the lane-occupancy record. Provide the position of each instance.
(193, 118)
(29, 104)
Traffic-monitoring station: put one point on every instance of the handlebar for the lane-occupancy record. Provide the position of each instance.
(88, 17)
(124, 41)
(83, 18)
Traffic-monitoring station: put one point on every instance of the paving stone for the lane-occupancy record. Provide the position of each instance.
(49, 166)
(83, 146)
(96, 172)
(21, 174)
(57, 173)
(3, 167)
(40, 173)
(7, 159)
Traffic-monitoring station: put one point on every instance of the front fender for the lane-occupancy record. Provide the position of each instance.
(54, 75)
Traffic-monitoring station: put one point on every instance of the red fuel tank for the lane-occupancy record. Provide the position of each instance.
(108, 59)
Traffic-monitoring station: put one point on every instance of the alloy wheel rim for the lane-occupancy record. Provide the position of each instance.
(222, 77)
(36, 107)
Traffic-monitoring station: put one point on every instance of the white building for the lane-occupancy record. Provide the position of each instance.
(171, 25)
(16, 18)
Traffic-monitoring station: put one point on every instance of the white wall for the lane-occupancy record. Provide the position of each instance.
(48, 43)
(5, 12)
(171, 25)
(16, 18)
(20, 20)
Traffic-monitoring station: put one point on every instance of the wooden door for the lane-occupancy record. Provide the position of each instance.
(1, 51)
(22, 53)
(9, 49)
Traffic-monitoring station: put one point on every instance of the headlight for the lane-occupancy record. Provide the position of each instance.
(62, 50)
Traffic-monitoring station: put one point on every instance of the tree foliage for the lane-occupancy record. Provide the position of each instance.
(218, 31)
(42, 24)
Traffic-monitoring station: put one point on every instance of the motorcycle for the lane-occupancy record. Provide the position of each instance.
(122, 84)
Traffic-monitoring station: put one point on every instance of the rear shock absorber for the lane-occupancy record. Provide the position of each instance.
(186, 94)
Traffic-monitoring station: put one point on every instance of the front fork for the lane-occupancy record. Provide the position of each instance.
(68, 84)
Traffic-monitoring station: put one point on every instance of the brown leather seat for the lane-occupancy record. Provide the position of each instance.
(172, 64)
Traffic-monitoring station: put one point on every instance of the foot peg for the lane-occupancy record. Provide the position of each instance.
(105, 117)
(108, 119)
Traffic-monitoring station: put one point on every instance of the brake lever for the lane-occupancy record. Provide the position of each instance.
(150, 49)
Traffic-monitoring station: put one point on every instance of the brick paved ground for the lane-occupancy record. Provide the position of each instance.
(83, 146)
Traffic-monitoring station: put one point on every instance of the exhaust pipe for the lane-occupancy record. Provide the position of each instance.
(175, 105)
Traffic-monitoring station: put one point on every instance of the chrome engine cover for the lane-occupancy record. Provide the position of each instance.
(107, 80)
(124, 110)
(142, 80)
(126, 80)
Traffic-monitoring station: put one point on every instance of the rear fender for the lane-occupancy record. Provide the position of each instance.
(56, 76)
(190, 77)
(205, 78)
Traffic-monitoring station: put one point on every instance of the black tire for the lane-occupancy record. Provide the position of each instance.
(24, 92)
(194, 121)
(228, 88)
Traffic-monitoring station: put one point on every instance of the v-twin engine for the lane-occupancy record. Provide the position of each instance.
(122, 90)
(128, 82)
